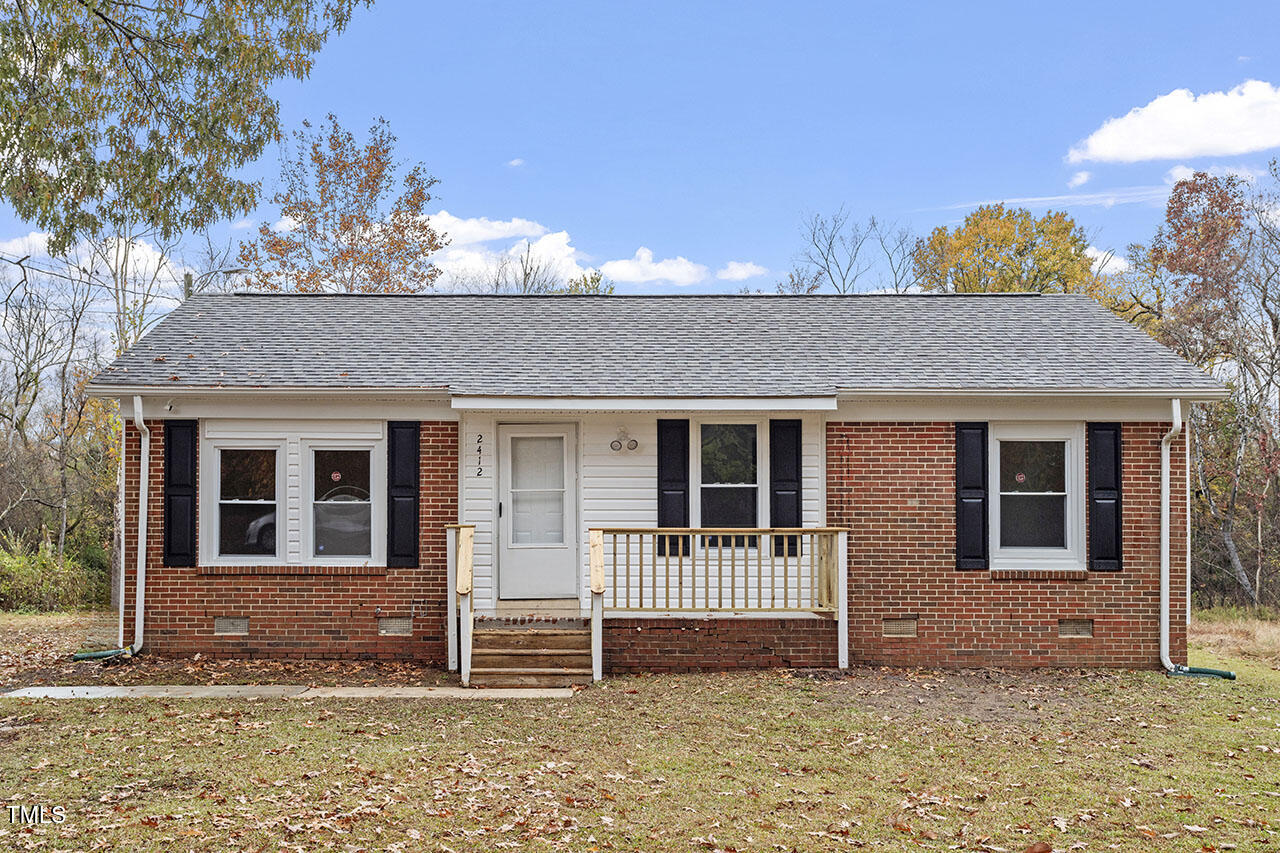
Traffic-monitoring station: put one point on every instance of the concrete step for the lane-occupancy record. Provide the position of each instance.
(497, 658)
(532, 677)
(537, 638)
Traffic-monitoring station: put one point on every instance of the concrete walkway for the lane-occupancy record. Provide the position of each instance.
(282, 691)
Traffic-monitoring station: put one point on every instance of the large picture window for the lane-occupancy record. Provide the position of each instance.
(1037, 489)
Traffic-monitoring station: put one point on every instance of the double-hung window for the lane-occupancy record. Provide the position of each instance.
(1037, 495)
(341, 503)
(247, 501)
(729, 484)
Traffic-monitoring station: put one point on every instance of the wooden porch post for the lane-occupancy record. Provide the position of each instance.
(596, 559)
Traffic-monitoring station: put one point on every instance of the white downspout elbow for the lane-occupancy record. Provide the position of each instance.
(144, 476)
(1166, 533)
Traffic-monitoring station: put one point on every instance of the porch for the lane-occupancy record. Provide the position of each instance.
(768, 574)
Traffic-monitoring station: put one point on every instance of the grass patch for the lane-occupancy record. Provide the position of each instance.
(880, 759)
(1238, 632)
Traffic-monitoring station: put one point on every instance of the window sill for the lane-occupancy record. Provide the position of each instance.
(323, 571)
(1039, 574)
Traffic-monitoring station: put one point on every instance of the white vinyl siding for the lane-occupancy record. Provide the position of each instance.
(616, 488)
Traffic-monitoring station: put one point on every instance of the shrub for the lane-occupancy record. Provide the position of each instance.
(33, 580)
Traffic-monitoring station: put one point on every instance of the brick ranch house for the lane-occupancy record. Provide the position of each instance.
(543, 489)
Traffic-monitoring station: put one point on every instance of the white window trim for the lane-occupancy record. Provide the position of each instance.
(293, 442)
(762, 465)
(1070, 557)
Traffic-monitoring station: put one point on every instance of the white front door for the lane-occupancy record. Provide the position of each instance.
(537, 538)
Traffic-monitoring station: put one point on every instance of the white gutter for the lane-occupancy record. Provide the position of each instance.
(144, 474)
(1165, 532)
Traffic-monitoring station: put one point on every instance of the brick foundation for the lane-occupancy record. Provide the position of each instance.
(893, 485)
(692, 645)
(296, 611)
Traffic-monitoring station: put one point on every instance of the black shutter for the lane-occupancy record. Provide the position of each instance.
(971, 496)
(180, 454)
(1104, 497)
(673, 483)
(784, 482)
(402, 494)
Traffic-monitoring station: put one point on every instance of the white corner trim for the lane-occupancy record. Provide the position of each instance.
(644, 404)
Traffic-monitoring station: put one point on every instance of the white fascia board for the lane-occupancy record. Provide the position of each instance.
(1197, 395)
(644, 404)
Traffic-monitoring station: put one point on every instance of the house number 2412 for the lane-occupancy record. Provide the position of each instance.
(479, 454)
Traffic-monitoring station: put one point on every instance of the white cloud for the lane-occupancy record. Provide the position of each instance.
(1079, 179)
(35, 244)
(643, 268)
(284, 225)
(1106, 263)
(740, 271)
(479, 229)
(1183, 124)
(516, 163)
(478, 246)
(242, 224)
(1182, 172)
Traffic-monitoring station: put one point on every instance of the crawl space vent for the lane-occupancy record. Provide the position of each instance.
(228, 626)
(395, 626)
(1075, 627)
(900, 627)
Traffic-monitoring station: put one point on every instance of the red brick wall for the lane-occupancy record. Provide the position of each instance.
(311, 611)
(692, 645)
(893, 485)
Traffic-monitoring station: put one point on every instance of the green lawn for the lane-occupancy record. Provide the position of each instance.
(886, 759)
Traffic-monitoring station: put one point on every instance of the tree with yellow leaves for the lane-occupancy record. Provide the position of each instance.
(1001, 250)
(342, 227)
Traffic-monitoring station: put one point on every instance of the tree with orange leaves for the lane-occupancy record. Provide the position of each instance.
(1208, 286)
(343, 228)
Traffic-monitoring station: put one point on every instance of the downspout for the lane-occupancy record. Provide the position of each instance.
(1165, 536)
(144, 475)
(140, 588)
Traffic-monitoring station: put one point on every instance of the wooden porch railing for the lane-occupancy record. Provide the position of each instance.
(720, 569)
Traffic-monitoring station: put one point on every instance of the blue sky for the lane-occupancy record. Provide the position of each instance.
(701, 133)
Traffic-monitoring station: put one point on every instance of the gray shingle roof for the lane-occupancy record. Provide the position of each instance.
(635, 346)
